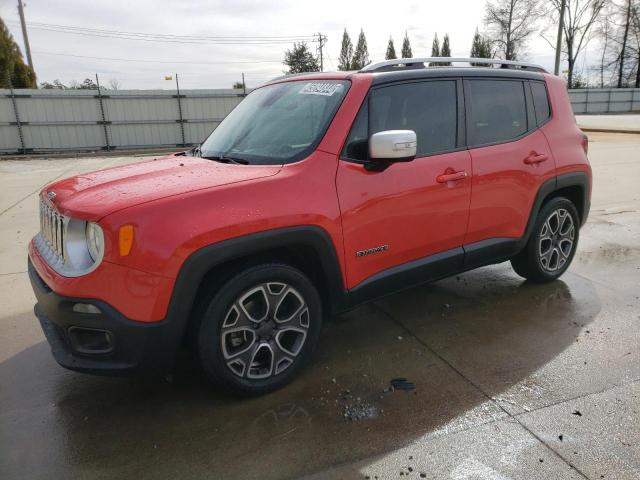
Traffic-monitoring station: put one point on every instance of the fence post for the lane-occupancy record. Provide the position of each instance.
(609, 100)
(586, 101)
(104, 118)
(184, 143)
(17, 115)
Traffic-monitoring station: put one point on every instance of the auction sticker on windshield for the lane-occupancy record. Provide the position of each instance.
(321, 88)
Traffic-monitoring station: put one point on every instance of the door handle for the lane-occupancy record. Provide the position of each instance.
(535, 157)
(451, 177)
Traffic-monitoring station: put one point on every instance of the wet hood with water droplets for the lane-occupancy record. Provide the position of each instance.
(94, 195)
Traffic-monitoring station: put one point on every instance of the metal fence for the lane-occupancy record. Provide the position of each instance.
(605, 100)
(86, 120)
(66, 120)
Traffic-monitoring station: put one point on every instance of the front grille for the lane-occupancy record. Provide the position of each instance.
(52, 229)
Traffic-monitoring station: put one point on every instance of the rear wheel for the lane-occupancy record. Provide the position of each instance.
(260, 329)
(552, 244)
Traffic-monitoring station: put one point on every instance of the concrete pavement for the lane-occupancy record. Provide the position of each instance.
(514, 381)
(622, 123)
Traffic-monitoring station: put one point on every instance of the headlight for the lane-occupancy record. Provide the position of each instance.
(71, 246)
(95, 241)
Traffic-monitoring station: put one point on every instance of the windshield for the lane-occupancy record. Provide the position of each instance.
(277, 124)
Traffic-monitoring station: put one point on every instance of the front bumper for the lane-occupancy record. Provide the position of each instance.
(104, 342)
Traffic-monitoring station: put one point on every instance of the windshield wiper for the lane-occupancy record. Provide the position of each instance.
(225, 159)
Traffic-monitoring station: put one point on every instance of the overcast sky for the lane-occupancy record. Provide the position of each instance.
(213, 65)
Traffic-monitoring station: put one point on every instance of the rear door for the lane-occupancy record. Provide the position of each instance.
(405, 212)
(510, 157)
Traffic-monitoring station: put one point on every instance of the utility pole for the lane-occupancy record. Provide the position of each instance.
(244, 85)
(556, 68)
(24, 34)
(321, 40)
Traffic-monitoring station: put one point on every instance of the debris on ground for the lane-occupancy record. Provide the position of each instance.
(360, 410)
(402, 384)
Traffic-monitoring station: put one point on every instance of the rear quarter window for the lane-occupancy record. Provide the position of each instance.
(540, 102)
(497, 111)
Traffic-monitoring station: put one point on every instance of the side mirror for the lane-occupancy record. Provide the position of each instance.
(391, 146)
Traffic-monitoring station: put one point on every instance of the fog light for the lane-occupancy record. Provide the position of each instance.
(90, 340)
(85, 308)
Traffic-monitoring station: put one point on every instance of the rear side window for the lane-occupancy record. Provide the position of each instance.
(428, 108)
(498, 111)
(540, 102)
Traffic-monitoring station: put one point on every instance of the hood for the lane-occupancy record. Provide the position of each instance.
(94, 195)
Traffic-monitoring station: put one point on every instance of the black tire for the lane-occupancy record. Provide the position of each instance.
(534, 262)
(238, 360)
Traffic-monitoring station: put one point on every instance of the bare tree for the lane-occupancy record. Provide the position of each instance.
(579, 18)
(625, 38)
(627, 42)
(635, 42)
(605, 29)
(509, 23)
(114, 84)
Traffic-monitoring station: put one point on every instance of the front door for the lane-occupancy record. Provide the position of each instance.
(412, 210)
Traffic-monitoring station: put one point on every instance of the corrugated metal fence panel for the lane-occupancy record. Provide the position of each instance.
(9, 137)
(146, 118)
(605, 100)
(74, 120)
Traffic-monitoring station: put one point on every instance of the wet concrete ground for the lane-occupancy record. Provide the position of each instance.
(513, 381)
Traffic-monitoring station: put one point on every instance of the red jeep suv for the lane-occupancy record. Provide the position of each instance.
(316, 193)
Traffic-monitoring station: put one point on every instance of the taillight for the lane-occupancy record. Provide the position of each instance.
(585, 144)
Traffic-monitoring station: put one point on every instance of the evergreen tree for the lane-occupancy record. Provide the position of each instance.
(361, 54)
(480, 48)
(300, 59)
(13, 71)
(406, 47)
(435, 50)
(346, 53)
(445, 51)
(391, 50)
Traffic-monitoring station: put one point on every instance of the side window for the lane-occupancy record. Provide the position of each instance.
(357, 146)
(428, 108)
(498, 111)
(540, 102)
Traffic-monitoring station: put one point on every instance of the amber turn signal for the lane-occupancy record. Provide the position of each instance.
(125, 239)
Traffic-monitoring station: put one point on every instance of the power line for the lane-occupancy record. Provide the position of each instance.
(168, 38)
(69, 27)
(61, 54)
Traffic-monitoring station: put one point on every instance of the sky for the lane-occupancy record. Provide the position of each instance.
(63, 56)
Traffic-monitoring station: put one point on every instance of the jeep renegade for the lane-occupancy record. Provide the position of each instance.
(316, 193)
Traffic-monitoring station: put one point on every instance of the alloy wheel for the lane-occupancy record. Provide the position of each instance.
(556, 241)
(264, 330)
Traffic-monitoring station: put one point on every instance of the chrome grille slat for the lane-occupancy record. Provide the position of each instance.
(52, 230)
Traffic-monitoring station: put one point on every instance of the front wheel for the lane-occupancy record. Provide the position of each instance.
(260, 329)
(552, 244)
